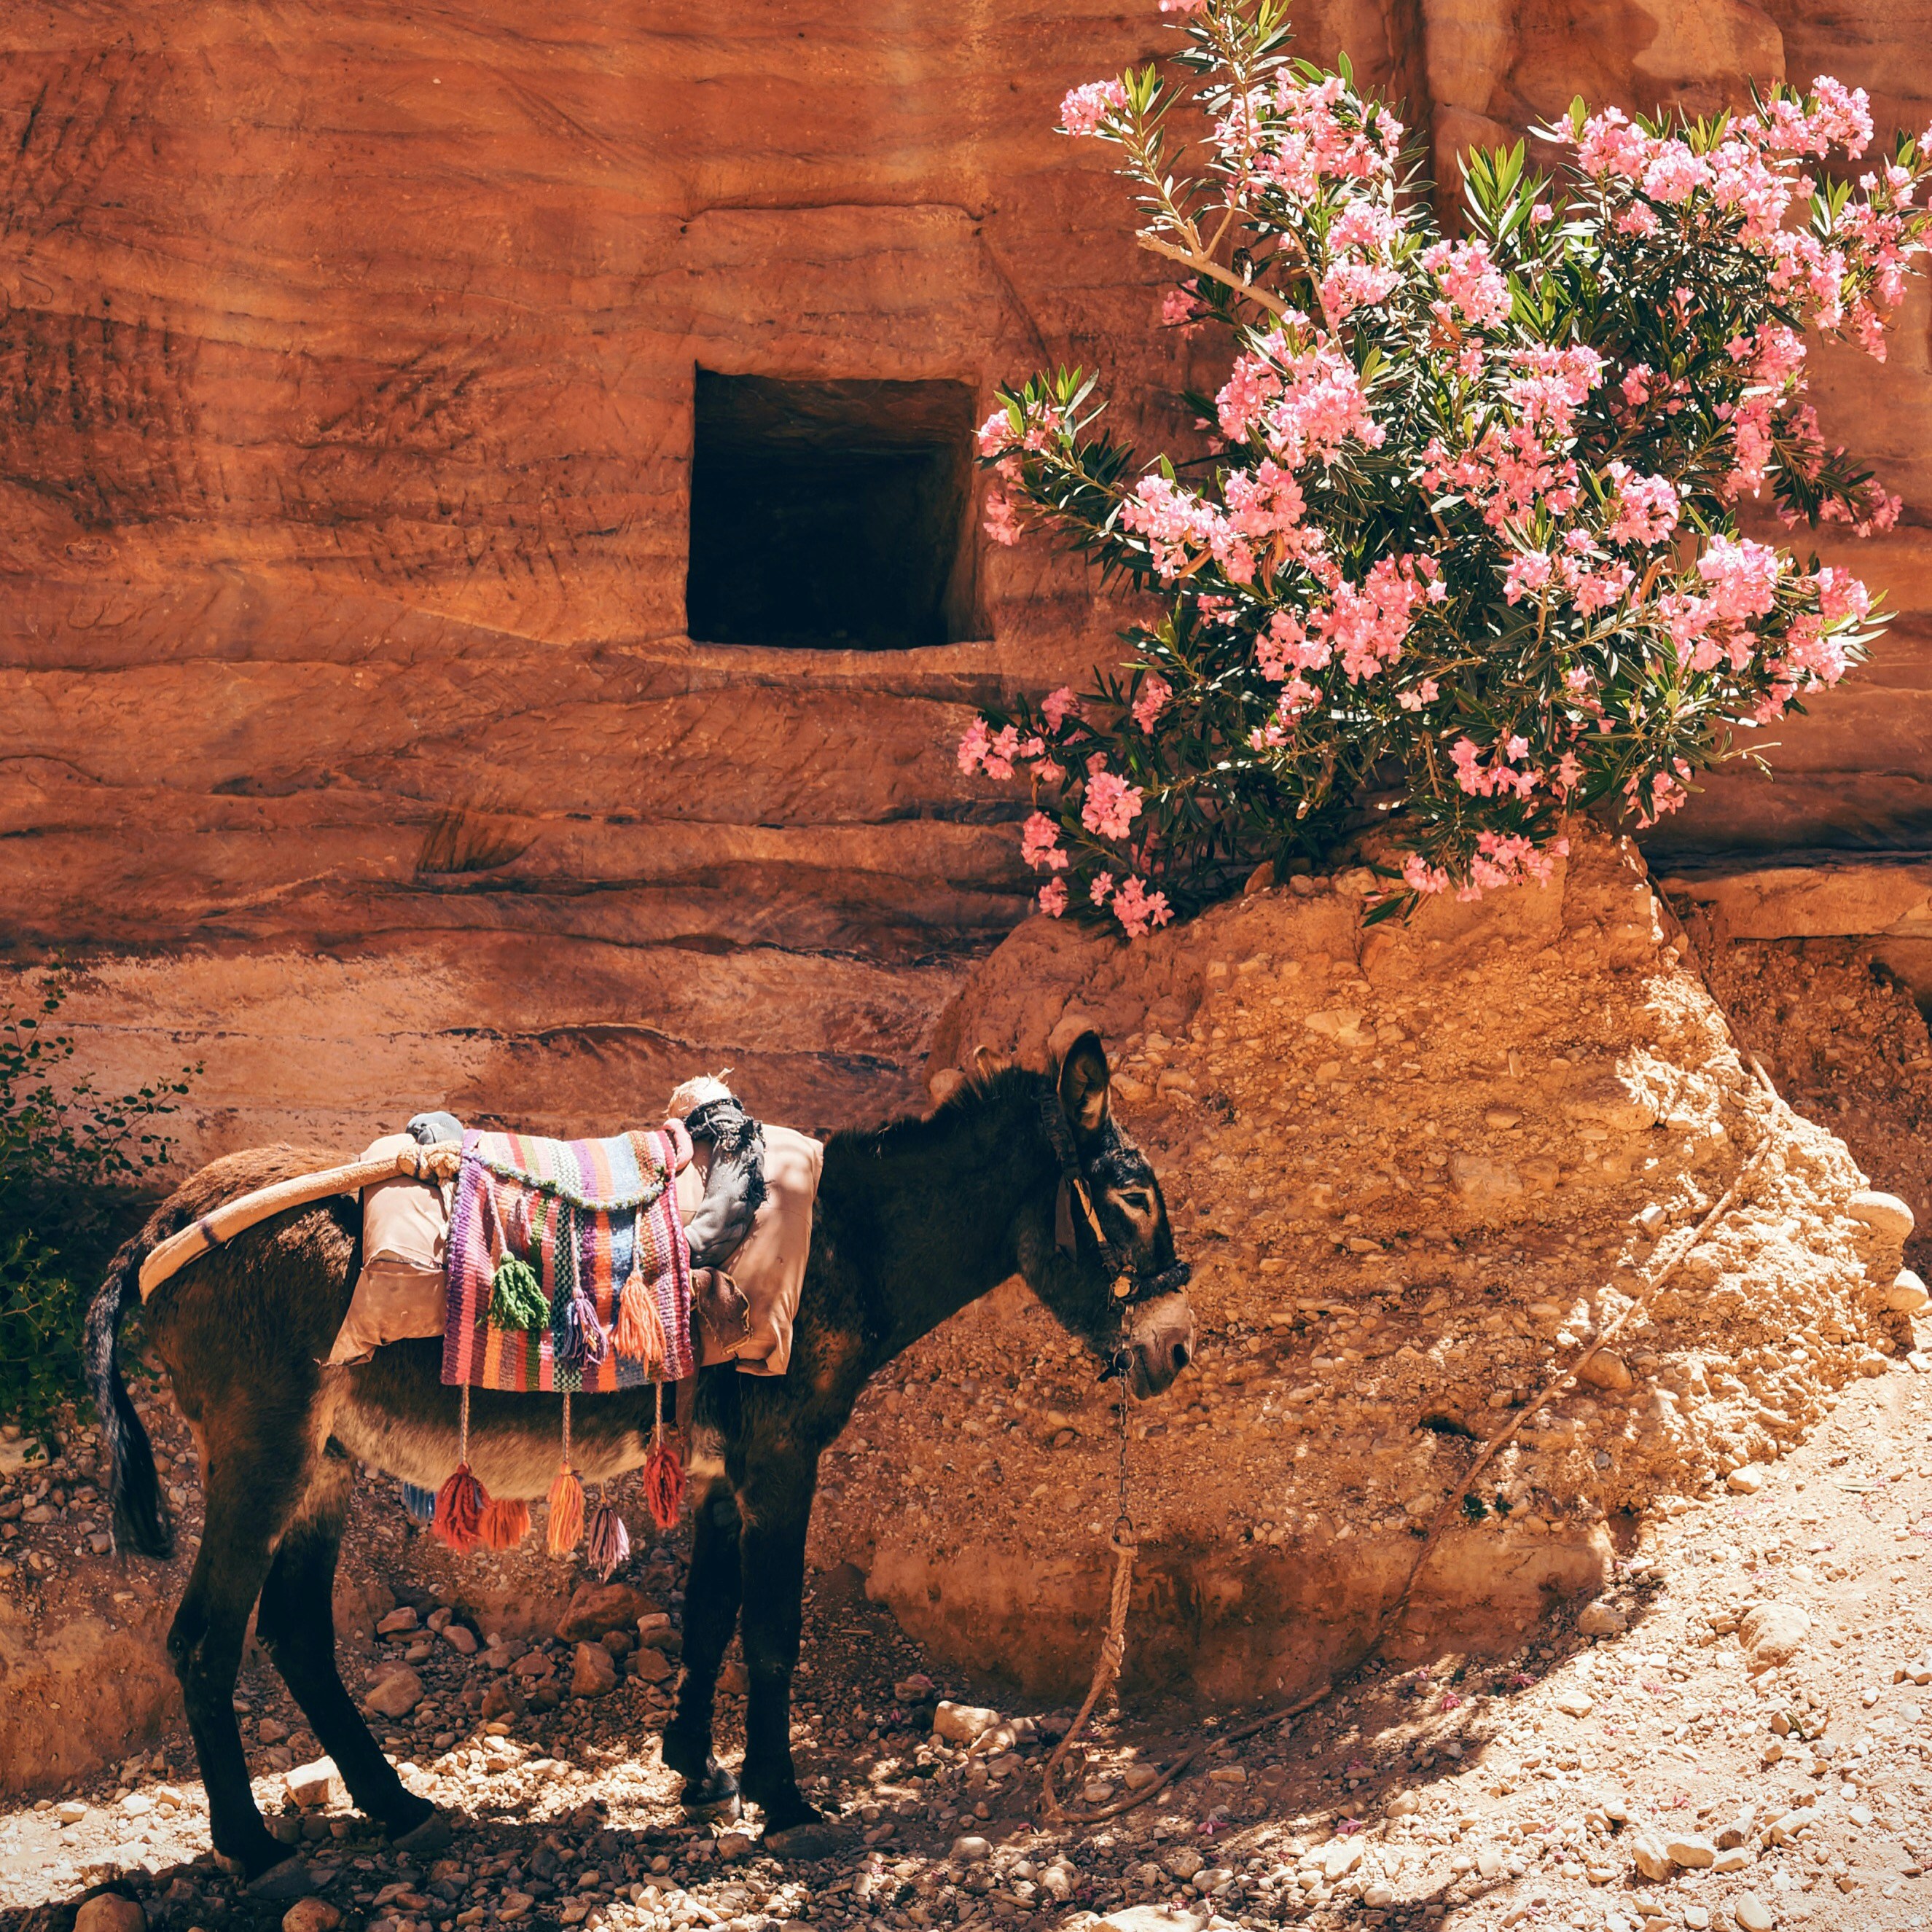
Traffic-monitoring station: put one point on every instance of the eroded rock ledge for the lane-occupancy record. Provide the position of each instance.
(1415, 1165)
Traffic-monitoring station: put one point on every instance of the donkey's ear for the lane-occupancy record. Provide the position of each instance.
(1084, 1081)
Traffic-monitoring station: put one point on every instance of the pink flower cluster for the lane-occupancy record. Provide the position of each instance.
(1304, 404)
(1500, 774)
(1315, 134)
(1501, 859)
(994, 752)
(1473, 286)
(1152, 701)
(1039, 844)
(1136, 908)
(1844, 278)
(1111, 805)
(1646, 507)
(1366, 627)
(1085, 109)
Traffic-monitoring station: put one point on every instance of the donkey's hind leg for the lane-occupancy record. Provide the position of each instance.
(296, 1627)
(710, 1615)
(205, 1644)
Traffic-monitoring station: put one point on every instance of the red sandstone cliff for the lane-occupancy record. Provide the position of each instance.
(348, 717)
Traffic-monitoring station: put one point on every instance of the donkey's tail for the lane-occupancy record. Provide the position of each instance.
(141, 1522)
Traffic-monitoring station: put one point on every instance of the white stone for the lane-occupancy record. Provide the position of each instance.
(1340, 1857)
(1748, 1481)
(1574, 1702)
(1752, 1914)
(969, 1851)
(1887, 1217)
(1601, 1619)
(1772, 1632)
(1150, 1918)
(962, 1724)
(1908, 1294)
(1689, 1850)
(1649, 1853)
(1184, 1863)
(313, 1785)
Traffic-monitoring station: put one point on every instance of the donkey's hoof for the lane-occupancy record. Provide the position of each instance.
(432, 1834)
(714, 1795)
(291, 1879)
(820, 1839)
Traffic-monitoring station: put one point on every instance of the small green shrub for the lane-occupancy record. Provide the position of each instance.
(71, 1159)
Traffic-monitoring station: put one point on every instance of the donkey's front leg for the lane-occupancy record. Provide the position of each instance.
(774, 1511)
(710, 1615)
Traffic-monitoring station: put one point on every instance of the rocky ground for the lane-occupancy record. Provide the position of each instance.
(1416, 1168)
(1846, 1044)
(1734, 1733)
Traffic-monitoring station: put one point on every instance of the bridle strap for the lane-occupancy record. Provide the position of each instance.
(1074, 1186)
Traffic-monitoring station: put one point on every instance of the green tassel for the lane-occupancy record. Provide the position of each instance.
(517, 1299)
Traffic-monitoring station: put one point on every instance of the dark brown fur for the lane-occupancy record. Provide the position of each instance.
(912, 1223)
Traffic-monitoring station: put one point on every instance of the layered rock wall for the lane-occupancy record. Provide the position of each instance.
(349, 723)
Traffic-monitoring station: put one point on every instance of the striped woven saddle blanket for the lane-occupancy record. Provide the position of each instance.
(567, 1266)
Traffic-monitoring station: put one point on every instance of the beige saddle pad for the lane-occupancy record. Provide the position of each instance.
(401, 1293)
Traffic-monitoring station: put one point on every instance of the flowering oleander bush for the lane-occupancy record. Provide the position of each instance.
(1467, 536)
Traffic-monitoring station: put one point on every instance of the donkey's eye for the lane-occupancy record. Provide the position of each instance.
(1140, 1201)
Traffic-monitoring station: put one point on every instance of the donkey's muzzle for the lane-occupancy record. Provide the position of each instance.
(1161, 1344)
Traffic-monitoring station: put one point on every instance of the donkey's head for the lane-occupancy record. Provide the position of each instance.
(1107, 1267)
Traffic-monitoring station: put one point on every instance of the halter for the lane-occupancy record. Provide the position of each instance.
(1076, 1184)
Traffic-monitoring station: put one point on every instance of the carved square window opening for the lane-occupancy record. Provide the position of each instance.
(832, 515)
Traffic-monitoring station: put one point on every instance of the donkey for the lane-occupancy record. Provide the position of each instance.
(1020, 1172)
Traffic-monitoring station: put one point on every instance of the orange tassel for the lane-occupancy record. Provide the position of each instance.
(566, 1525)
(640, 1334)
(460, 1504)
(506, 1522)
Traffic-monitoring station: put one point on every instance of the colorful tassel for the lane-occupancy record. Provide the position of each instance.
(576, 1337)
(460, 1504)
(565, 1525)
(640, 1332)
(517, 1296)
(663, 1474)
(506, 1522)
(609, 1542)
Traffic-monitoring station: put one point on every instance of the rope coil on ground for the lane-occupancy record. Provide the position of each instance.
(1113, 1646)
